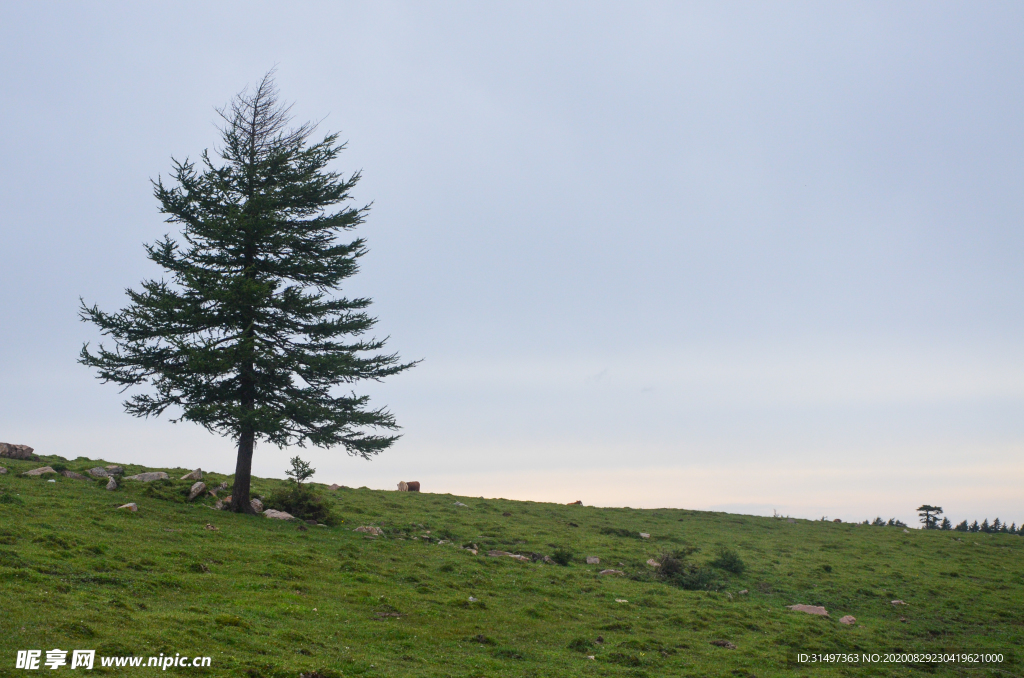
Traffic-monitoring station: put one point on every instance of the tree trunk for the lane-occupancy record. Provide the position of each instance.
(243, 473)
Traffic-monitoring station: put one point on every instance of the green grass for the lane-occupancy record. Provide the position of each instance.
(264, 598)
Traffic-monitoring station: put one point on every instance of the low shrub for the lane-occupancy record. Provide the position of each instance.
(729, 561)
(302, 502)
(562, 556)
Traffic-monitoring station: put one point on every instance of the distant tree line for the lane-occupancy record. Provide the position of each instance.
(930, 519)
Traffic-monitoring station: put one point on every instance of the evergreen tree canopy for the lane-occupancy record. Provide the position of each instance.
(248, 336)
(946, 524)
(929, 515)
(961, 527)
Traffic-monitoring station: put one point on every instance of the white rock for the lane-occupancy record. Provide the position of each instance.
(257, 505)
(644, 535)
(280, 515)
(370, 529)
(148, 477)
(197, 489)
(111, 484)
(133, 507)
(51, 480)
(653, 563)
(39, 471)
(459, 503)
(593, 560)
(611, 572)
(194, 475)
(2, 470)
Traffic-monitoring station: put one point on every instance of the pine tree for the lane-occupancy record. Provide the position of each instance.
(878, 521)
(997, 526)
(1013, 528)
(974, 527)
(946, 525)
(985, 526)
(249, 337)
(929, 515)
(961, 527)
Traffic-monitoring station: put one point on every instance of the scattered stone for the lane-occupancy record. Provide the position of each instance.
(723, 643)
(257, 505)
(459, 503)
(16, 451)
(2, 470)
(370, 529)
(115, 470)
(197, 489)
(148, 477)
(223, 485)
(809, 609)
(590, 656)
(549, 561)
(334, 487)
(599, 640)
(194, 475)
(494, 553)
(653, 563)
(906, 531)
(39, 471)
(848, 619)
(593, 560)
(133, 507)
(99, 472)
(621, 600)
(111, 484)
(73, 475)
(575, 503)
(611, 572)
(743, 592)
(472, 599)
(644, 535)
(280, 515)
(903, 619)
(227, 499)
(51, 480)
(898, 602)
(790, 520)
(219, 506)
(506, 514)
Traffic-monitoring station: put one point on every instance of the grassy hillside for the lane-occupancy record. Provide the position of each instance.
(266, 598)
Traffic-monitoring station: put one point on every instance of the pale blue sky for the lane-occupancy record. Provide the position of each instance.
(751, 257)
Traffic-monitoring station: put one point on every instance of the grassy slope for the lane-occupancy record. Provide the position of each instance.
(76, 573)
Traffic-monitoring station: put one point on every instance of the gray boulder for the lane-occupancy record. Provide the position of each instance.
(194, 475)
(73, 475)
(111, 484)
(197, 489)
(38, 471)
(280, 515)
(16, 451)
(115, 470)
(2, 470)
(257, 505)
(99, 472)
(593, 560)
(148, 477)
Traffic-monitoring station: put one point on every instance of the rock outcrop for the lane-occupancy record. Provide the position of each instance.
(194, 475)
(197, 489)
(10, 451)
(148, 477)
(39, 471)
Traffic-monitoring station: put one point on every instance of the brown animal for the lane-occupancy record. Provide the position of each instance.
(411, 486)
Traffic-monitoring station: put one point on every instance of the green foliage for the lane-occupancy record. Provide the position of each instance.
(300, 471)
(247, 334)
(562, 556)
(728, 560)
(302, 502)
